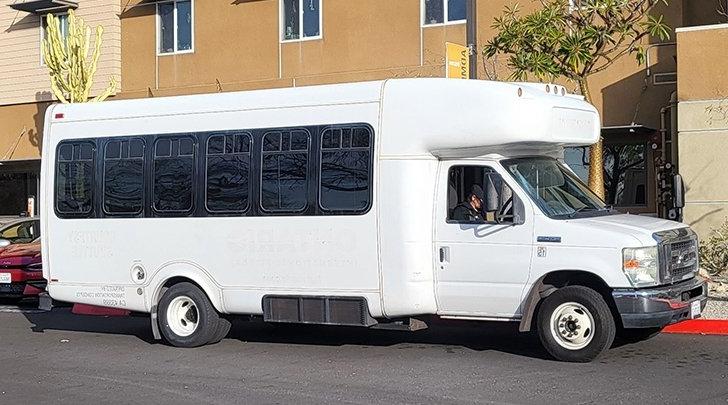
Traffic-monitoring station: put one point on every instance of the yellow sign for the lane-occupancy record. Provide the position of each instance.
(458, 61)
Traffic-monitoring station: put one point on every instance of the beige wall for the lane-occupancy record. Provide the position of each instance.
(237, 45)
(703, 124)
(22, 77)
(21, 130)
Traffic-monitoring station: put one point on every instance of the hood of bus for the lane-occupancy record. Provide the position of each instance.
(636, 227)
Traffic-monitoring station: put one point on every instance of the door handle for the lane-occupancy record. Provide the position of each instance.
(444, 254)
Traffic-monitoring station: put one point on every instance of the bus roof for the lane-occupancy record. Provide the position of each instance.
(444, 117)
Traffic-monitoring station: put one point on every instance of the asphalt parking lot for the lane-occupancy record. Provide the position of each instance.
(59, 357)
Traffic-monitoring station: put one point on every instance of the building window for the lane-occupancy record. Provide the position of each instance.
(443, 12)
(63, 20)
(124, 177)
(175, 27)
(174, 162)
(228, 172)
(284, 183)
(301, 19)
(345, 169)
(75, 179)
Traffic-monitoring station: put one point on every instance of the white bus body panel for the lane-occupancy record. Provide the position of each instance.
(386, 255)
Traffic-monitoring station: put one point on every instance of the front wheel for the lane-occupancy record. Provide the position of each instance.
(186, 316)
(575, 324)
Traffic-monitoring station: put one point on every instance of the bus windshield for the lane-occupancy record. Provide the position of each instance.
(554, 188)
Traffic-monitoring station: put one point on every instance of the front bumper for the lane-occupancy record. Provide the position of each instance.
(660, 306)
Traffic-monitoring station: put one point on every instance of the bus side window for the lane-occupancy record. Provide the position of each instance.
(124, 177)
(345, 183)
(174, 161)
(284, 177)
(75, 179)
(227, 172)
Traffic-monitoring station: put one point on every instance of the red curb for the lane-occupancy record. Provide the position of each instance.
(84, 309)
(700, 326)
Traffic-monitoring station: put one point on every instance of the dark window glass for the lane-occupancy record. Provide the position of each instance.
(290, 19)
(166, 27)
(184, 25)
(173, 176)
(625, 174)
(75, 178)
(124, 177)
(456, 10)
(163, 148)
(228, 173)
(434, 13)
(285, 172)
(345, 170)
(311, 26)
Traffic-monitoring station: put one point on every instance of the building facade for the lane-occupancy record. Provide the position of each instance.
(173, 47)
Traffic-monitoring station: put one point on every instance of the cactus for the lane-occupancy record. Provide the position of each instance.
(67, 59)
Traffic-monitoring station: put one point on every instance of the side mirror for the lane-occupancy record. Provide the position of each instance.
(678, 191)
(4, 243)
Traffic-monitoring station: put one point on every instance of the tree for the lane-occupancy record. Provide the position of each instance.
(67, 58)
(575, 40)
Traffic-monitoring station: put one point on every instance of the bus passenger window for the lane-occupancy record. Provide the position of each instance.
(124, 177)
(228, 172)
(75, 179)
(345, 169)
(173, 175)
(284, 182)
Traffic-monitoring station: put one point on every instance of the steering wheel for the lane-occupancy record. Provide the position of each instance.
(502, 213)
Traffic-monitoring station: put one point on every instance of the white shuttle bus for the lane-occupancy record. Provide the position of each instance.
(377, 204)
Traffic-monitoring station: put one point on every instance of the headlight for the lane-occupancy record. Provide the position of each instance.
(640, 266)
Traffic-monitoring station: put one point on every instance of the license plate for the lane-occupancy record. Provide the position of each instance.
(695, 309)
(5, 278)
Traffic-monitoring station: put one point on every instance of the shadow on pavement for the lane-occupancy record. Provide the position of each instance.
(479, 336)
(62, 319)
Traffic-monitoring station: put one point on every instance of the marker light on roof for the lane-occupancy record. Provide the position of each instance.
(520, 92)
(548, 89)
(58, 116)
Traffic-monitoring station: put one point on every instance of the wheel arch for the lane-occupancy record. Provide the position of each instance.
(552, 281)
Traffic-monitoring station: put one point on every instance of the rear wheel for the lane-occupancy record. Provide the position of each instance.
(186, 316)
(575, 324)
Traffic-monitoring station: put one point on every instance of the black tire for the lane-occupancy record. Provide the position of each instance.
(207, 319)
(223, 328)
(637, 334)
(599, 336)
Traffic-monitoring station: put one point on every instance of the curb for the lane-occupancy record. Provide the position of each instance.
(699, 327)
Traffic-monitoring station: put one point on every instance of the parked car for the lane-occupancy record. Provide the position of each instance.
(20, 231)
(21, 271)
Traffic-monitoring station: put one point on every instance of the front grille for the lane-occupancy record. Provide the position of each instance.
(681, 260)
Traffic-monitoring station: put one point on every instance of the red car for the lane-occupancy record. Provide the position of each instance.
(21, 271)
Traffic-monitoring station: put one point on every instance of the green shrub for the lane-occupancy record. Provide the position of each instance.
(714, 251)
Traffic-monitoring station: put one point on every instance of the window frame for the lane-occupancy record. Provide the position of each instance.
(94, 154)
(307, 180)
(144, 176)
(152, 178)
(482, 166)
(301, 37)
(251, 172)
(444, 22)
(43, 32)
(370, 173)
(158, 20)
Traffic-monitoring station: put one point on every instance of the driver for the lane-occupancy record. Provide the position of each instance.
(470, 209)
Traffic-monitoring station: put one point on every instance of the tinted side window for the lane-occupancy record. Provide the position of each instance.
(174, 160)
(124, 176)
(75, 178)
(227, 163)
(284, 183)
(345, 169)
